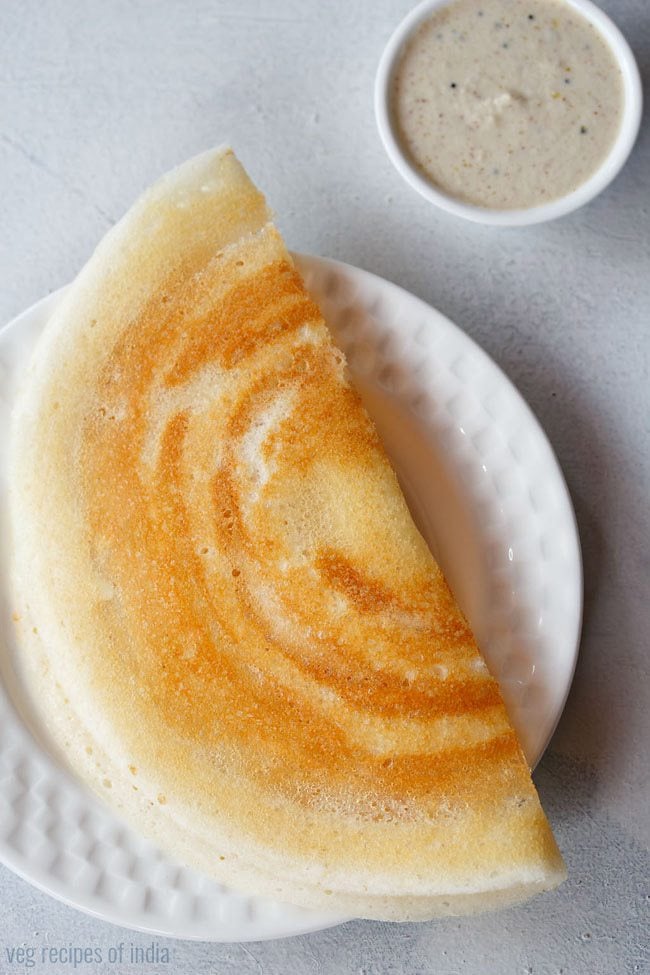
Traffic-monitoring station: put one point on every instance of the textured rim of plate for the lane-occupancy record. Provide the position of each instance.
(59, 837)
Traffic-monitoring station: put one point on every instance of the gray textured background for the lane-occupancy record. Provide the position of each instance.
(98, 98)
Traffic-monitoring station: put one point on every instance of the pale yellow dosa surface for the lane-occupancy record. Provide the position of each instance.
(230, 623)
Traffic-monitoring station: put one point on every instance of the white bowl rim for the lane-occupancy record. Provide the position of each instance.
(603, 175)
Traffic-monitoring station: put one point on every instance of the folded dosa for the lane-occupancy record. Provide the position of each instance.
(230, 623)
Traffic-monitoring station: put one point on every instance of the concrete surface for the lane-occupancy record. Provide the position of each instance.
(98, 98)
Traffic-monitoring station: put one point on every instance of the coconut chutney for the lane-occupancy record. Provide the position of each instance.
(507, 104)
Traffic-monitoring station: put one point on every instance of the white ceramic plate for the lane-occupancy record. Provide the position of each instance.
(485, 488)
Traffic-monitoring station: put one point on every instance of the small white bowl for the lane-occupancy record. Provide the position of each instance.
(608, 169)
